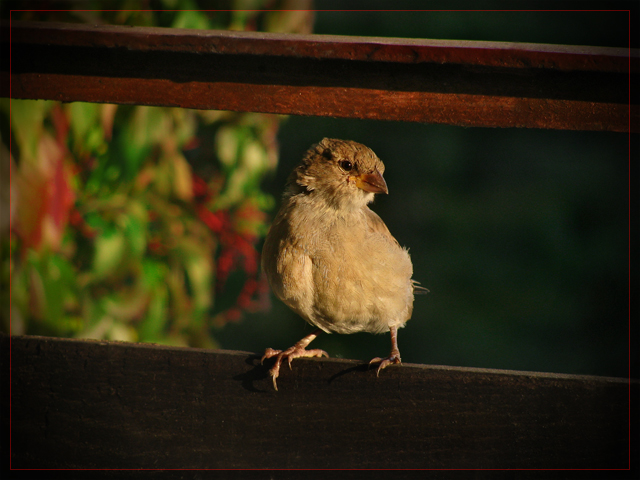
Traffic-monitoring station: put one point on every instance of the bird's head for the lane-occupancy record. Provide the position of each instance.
(343, 173)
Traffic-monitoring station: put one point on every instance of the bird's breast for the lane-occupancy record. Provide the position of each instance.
(338, 273)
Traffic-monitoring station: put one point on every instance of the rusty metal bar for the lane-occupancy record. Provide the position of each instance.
(463, 83)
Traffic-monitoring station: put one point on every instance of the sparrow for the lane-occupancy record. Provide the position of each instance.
(331, 259)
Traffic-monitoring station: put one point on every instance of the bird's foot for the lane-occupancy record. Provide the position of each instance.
(297, 351)
(385, 362)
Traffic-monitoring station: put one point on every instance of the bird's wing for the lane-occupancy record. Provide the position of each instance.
(375, 224)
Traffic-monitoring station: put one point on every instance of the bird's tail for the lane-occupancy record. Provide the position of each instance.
(417, 289)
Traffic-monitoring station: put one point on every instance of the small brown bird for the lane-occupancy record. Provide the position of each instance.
(330, 258)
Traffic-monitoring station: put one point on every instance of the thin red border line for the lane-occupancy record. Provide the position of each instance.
(629, 198)
(322, 469)
(10, 282)
(437, 469)
(318, 10)
(629, 237)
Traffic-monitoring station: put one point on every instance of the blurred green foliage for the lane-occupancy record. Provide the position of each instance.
(132, 222)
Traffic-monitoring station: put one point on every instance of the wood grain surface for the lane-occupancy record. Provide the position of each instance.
(90, 404)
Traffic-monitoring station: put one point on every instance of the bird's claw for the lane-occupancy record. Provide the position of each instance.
(289, 354)
(385, 362)
(268, 353)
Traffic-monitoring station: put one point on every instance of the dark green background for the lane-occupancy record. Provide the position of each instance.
(522, 235)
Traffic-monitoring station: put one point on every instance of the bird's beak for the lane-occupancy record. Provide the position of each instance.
(372, 182)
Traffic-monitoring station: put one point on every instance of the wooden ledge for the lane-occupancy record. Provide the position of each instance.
(95, 404)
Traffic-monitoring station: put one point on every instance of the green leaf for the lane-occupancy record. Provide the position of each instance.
(109, 251)
(246, 177)
(200, 276)
(227, 144)
(84, 119)
(197, 263)
(27, 117)
(153, 325)
(191, 18)
(153, 273)
(146, 128)
(51, 287)
(134, 226)
(182, 177)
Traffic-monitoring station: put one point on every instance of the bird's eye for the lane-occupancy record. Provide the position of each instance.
(346, 165)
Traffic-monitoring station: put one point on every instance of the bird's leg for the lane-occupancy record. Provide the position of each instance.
(394, 356)
(297, 351)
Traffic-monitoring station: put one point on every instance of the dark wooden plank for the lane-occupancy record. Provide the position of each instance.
(453, 82)
(329, 47)
(90, 404)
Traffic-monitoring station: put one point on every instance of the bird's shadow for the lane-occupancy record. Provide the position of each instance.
(260, 372)
(363, 367)
(257, 373)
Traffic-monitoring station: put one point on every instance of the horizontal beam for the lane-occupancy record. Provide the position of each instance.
(96, 404)
(465, 83)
